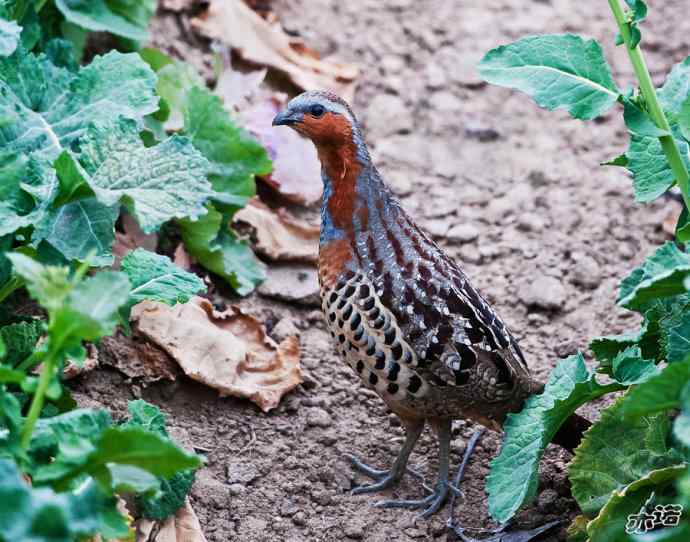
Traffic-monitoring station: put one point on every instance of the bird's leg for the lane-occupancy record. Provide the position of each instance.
(433, 502)
(388, 478)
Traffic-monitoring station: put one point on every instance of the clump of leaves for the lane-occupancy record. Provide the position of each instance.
(78, 461)
(636, 455)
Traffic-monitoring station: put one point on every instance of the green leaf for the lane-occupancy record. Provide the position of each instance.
(658, 394)
(629, 368)
(98, 16)
(175, 80)
(156, 184)
(611, 522)
(9, 36)
(684, 119)
(637, 13)
(128, 479)
(48, 108)
(639, 122)
(606, 348)
(557, 71)
(10, 427)
(41, 515)
(235, 156)
(678, 340)
(513, 479)
(79, 229)
(621, 161)
(20, 340)
(676, 90)
(616, 451)
(156, 278)
(661, 275)
(681, 425)
(683, 227)
(221, 252)
(49, 285)
(652, 176)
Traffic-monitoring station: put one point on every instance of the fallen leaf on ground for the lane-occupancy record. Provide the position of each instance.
(672, 215)
(130, 238)
(292, 284)
(137, 358)
(259, 41)
(229, 351)
(236, 87)
(184, 526)
(73, 370)
(279, 235)
(296, 168)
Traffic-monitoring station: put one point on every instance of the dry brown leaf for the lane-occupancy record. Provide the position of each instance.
(292, 284)
(137, 358)
(184, 526)
(296, 168)
(132, 238)
(229, 351)
(236, 87)
(259, 41)
(279, 235)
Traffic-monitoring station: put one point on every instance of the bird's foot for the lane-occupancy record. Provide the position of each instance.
(431, 504)
(384, 478)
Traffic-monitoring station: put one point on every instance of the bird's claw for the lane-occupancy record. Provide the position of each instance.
(432, 502)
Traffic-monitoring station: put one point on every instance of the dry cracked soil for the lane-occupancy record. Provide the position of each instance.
(513, 192)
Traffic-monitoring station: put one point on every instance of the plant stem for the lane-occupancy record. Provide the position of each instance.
(39, 397)
(10, 286)
(668, 143)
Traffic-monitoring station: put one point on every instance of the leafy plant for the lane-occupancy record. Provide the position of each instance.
(78, 461)
(636, 455)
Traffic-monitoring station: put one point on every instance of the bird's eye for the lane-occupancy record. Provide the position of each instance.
(317, 110)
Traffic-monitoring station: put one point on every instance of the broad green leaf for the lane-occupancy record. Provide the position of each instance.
(9, 36)
(611, 522)
(156, 278)
(219, 251)
(513, 479)
(235, 156)
(49, 285)
(630, 368)
(684, 119)
(81, 423)
(557, 71)
(683, 227)
(156, 184)
(681, 425)
(676, 90)
(620, 161)
(20, 340)
(90, 311)
(661, 275)
(639, 122)
(11, 423)
(616, 451)
(658, 394)
(128, 479)
(606, 348)
(47, 108)
(79, 229)
(677, 344)
(99, 16)
(41, 515)
(147, 416)
(175, 80)
(652, 176)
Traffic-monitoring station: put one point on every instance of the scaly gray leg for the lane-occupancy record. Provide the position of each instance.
(388, 478)
(433, 502)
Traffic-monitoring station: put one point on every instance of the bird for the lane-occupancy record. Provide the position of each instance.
(402, 313)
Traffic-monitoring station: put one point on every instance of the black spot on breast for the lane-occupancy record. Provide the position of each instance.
(392, 388)
(332, 298)
(389, 336)
(332, 317)
(374, 313)
(341, 304)
(414, 384)
(393, 372)
(369, 304)
(356, 320)
(349, 291)
(397, 351)
(373, 379)
(380, 361)
(340, 322)
(468, 358)
(348, 312)
(360, 366)
(379, 322)
(371, 350)
(364, 291)
(341, 338)
(358, 336)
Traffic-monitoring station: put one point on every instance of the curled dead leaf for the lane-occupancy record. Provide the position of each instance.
(296, 171)
(259, 41)
(137, 358)
(184, 526)
(229, 351)
(279, 235)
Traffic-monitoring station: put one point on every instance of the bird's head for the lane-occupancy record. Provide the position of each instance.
(321, 116)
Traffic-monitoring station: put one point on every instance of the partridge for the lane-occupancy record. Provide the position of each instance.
(403, 315)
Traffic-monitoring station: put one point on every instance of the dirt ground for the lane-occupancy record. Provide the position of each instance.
(513, 192)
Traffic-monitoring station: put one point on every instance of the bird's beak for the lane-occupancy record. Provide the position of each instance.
(287, 118)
